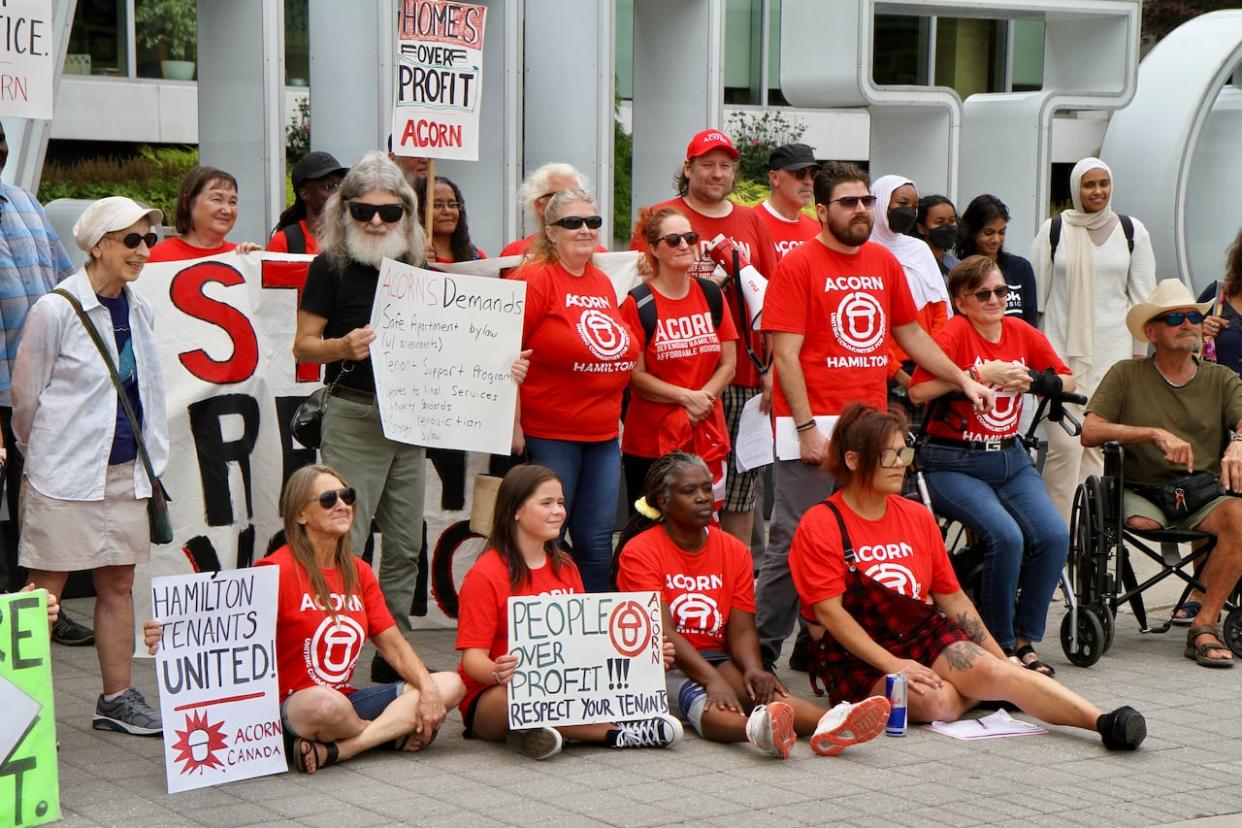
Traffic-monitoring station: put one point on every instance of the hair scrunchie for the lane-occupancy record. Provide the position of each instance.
(646, 509)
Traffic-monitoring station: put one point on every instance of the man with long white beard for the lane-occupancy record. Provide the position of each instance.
(372, 215)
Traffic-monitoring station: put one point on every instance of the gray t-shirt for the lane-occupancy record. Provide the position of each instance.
(1202, 412)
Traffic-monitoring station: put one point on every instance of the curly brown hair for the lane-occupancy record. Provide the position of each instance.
(649, 223)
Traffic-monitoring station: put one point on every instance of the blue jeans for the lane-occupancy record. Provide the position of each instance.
(590, 474)
(1001, 498)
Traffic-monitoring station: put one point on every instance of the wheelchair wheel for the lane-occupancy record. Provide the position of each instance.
(1108, 621)
(1232, 631)
(1090, 637)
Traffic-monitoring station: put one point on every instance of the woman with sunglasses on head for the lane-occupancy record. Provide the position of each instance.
(450, 233)
(982, 476)
(936, 224)
(581, 356)
(205, 214)
(688, 355)
(981, 232)
(328, 606)
(877, 587)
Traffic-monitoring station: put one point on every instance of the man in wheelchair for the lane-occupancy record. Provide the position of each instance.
(1180, 420)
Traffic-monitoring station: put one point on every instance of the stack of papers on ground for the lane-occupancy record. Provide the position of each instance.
(995, 726)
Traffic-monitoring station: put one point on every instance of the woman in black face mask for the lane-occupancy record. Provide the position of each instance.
(936, 224)
(896, 209)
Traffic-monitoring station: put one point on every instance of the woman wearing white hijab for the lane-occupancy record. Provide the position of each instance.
(896, 209)
(1086, 287)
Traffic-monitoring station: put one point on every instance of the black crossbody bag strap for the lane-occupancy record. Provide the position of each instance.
(847, 546)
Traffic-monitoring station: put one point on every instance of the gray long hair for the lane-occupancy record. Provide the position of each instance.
(537, 185)
(373, 172)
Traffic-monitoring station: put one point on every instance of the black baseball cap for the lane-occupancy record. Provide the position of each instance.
(792, 157)
(315, 165)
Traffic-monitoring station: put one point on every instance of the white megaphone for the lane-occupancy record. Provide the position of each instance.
(751, 282)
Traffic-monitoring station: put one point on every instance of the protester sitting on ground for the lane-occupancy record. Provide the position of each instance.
(720, 684)
(876, 585)
(325, 596)
(535, 193)
(583, 353)
(450, 233)
(982, 476)
(936, 224)
(1173, 412)
(315, 179)
(84, 496)
(205, 213)
(688, 357)
(522, 557)
(413, 167)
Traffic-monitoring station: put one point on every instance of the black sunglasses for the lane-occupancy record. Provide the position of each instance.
(804, 173)
(852, 202)
(388, 213)
(984, 294)
(675, 239)
(132, 240)
(328, 499)
(1178, 317)
(575, 222)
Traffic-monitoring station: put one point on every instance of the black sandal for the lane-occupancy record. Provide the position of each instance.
(305, 749)
(1034, 664)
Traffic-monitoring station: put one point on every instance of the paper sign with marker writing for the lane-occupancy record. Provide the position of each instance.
(29, 783)
(586, 659)
(216, 669)
(26, 68)
(442, 355)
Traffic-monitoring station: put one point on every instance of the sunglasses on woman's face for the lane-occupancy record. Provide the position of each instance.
(132, 240)
(891, 458)
(1175, 319)
(675, 239)
(328, 499)
(388, 213)
(984, 294)
(575, 222)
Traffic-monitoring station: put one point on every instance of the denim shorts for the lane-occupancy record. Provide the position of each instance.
(368, 702)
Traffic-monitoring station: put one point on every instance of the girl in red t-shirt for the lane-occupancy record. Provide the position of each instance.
(685, 363)
(876, 586)
(707, 589)
(523, 558)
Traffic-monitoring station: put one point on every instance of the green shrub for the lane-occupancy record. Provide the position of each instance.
(153, 177)
(622, 181)
(755, 135)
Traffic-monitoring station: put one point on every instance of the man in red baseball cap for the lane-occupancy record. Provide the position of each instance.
(706, 179)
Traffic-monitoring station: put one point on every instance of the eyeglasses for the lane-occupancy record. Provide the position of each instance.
(892, 458)
(1178, 317)
(132, 240)
(388, 213)
(852, 202)
(675, 239)
(575, 222)
(328, 499)
(446, 205)
(984, 294)
(804, 173)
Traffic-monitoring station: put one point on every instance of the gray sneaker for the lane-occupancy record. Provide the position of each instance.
(128, 713)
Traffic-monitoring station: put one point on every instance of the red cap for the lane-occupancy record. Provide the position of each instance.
(708, 140)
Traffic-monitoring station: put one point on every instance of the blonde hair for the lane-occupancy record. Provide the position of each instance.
(297, 493)
(542, 250)
(537, 184)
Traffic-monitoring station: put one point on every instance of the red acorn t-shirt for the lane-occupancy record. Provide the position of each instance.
(748, 232)
(902, 551)
(483, 606)
(314, 647)
(176, 249)
(700, 588)
(787, 235)
(683, 351)
(1019, 343)
(583, 353)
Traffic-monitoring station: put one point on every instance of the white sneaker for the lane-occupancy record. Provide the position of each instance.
(770, 728)
(537, 743)
(850, 724)
(661, 731)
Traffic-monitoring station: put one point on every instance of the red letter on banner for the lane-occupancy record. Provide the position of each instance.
(187, 294)
(277, 274)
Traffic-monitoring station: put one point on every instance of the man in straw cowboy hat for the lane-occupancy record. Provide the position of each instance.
(1175, 414)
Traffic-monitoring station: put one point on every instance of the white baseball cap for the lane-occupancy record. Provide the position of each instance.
(109, 214)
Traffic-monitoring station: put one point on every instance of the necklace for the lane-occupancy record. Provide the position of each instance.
(1170, 382)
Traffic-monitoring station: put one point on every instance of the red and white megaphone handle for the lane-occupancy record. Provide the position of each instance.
(751, 281)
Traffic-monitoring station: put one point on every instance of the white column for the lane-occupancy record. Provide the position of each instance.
(27, 138)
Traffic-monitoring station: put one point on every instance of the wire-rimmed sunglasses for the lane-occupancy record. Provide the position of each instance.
(328, 499)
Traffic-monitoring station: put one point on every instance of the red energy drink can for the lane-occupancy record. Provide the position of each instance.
(895, 688)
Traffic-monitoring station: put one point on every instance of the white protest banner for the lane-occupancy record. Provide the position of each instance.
(439, 79)
(585, 659)
(26, 68)
(216, 670)
(444, 346)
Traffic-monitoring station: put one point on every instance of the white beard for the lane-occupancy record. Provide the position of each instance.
(371, 248)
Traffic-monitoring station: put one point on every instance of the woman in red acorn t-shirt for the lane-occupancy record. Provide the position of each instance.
(707, 589)
(582, 353)
(523, 558)
(688, 357)
(879, 593)
(983, 476)
(328, 605)
(206, 212)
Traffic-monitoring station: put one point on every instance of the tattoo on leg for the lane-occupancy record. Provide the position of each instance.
(963, 654)
(972, 626)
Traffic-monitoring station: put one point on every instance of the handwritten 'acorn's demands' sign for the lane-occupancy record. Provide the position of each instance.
(216, 669)
(442, 356)
(29, 790)
(439, 79)
(26, 67)
(585, 659)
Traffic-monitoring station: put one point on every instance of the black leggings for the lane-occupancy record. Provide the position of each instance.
(635, 469)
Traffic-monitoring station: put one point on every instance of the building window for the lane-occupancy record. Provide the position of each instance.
(901, 47)
(1028, 55)
(297, 43)
(97, 44)
(167, 38)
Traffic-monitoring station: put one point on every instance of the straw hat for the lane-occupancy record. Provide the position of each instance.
(1169, 295)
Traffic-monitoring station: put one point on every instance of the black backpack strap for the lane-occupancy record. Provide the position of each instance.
(295, 238)
(1054, 238)
(715, 299)
(847, 546)
(645, 304)
(1127, 227)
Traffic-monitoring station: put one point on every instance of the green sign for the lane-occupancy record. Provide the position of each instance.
(29, 786)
